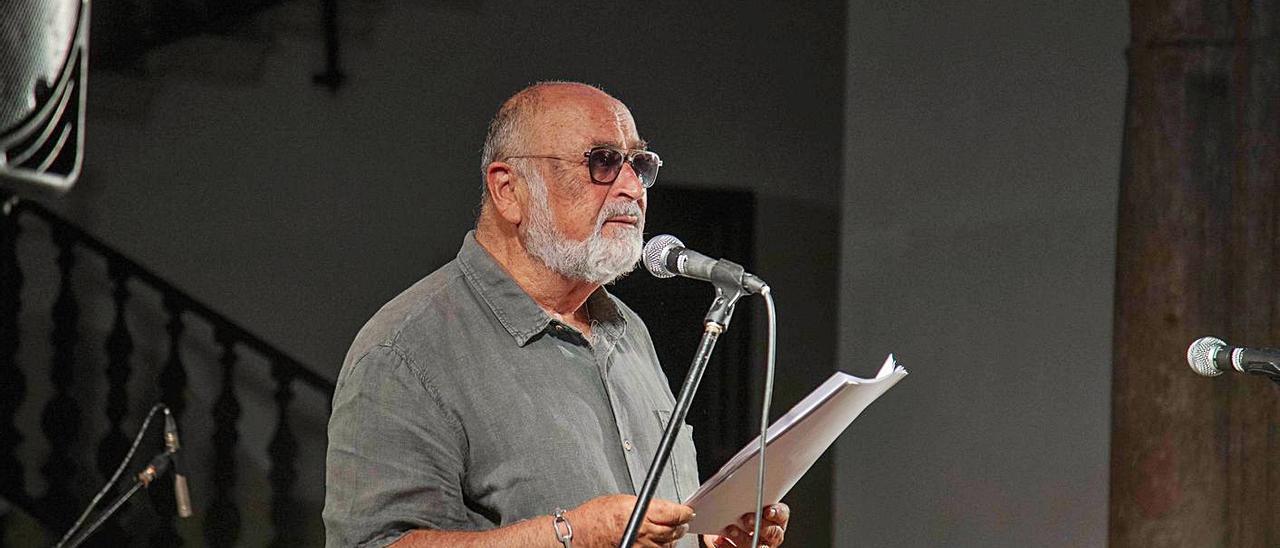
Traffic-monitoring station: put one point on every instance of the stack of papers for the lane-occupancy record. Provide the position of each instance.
(793, 444)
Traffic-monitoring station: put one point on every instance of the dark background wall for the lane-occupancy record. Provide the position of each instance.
(298, 212)
(982, 158)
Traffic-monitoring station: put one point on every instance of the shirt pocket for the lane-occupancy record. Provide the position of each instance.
(683, 465)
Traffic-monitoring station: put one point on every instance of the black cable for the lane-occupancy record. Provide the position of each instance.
(764, 410)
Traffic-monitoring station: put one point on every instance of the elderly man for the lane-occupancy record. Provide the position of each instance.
(509, 385)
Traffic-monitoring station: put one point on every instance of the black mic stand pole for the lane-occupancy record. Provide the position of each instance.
(154, 469)
(717, 320)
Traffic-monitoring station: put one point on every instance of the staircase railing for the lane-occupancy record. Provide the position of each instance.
(63, 421)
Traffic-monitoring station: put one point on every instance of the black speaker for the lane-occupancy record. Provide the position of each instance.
(43, 64)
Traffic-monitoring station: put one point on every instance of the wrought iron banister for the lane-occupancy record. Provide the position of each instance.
(62, 419)
(181, 299)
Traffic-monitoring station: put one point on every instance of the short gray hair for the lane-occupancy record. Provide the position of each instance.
(505, 128)
(511, 124)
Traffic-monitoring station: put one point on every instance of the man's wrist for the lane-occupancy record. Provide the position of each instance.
(563, 529)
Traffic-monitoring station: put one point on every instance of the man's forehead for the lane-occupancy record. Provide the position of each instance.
(595, 119)
(623, 120)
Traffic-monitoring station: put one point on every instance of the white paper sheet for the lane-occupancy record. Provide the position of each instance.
(794, 443)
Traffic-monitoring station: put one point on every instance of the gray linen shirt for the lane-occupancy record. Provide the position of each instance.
(462, 405)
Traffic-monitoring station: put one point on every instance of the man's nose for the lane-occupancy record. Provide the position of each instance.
(628, 183)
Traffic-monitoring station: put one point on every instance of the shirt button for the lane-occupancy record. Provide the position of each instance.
(626, 444)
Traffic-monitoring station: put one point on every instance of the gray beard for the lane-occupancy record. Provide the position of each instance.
(598, 259)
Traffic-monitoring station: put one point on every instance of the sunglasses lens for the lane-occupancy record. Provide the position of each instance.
(646, 165)
(605, 164)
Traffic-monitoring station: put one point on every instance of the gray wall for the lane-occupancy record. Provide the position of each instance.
(298, 212)
(982, 149)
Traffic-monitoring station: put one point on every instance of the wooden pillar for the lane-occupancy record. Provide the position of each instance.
(1196, 461)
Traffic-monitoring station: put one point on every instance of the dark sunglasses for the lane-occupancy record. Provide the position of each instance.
(605, 163)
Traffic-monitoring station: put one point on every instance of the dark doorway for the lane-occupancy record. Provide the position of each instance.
(717, 223)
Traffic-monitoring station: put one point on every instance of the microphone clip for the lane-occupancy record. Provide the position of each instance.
(726, 277)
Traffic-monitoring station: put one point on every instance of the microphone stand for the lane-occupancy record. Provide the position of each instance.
(717, 320)
(154, 469)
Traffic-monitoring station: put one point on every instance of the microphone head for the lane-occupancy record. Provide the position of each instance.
(1201, 353)
(655, 254)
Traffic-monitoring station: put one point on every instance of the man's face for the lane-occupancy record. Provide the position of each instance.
(581, 229)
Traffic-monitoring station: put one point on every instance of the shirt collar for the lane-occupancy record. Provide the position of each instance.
(515, 309)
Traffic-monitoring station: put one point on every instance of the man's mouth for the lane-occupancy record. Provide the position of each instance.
(623, 219)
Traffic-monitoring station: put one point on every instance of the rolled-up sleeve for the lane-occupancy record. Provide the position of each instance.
(396, 456)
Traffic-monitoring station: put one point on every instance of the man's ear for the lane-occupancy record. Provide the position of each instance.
(504, 194)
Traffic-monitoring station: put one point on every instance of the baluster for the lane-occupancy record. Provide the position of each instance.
(13, 385)
(173, 385)
(115, 444)
(283, 451)
(61, 419)
(173, 379)
(222, 526)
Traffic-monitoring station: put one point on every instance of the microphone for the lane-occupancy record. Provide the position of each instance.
(1210, 356)
(666, 256)
(181, 495)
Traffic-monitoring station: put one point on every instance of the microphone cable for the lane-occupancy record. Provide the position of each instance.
(764, 409)
(114, 477)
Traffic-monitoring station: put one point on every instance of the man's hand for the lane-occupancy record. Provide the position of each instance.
(600, 522)
(772, 529)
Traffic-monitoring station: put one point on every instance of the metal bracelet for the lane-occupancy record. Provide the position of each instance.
(566, 536)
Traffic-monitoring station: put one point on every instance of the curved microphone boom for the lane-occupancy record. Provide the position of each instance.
(666, 256)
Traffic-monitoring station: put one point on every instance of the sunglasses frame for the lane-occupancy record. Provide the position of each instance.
(628, 157)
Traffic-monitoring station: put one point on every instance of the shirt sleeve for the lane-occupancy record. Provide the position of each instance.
(396, 457)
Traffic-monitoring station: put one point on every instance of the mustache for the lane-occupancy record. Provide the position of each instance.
(615, 209)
